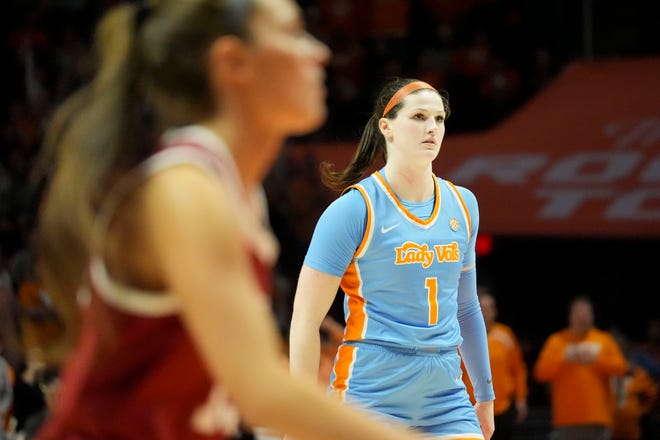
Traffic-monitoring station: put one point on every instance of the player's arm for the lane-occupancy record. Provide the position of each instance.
(474, 348)
(314, 296)
(194, 241)
(336, 237)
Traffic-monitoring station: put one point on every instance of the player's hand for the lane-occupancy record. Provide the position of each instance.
(486, 418)
(217, 415)
(588, 351)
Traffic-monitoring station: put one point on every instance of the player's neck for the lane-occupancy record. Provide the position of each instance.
(580, 331)
(409, 183)
(254, 151)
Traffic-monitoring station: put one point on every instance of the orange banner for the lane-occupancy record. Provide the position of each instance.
(582, 158)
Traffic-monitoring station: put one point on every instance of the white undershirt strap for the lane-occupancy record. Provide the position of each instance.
(193, 145)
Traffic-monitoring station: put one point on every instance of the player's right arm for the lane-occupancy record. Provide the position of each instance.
(337, 235)
(315, 293)
(193, 240)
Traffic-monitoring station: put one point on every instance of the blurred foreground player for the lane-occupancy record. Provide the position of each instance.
(152, 215)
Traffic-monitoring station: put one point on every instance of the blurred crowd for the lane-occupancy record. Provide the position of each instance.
(480, 51)
(490, 55)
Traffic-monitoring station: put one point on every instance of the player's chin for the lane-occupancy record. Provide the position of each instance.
(430, 153)
(309, 120)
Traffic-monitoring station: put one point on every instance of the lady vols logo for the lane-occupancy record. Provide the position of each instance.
(413, 253)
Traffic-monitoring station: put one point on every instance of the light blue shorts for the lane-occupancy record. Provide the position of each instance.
(420, 388)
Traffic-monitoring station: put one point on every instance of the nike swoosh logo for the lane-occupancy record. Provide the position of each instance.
(385, 230)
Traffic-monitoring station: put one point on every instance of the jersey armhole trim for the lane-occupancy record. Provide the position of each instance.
(160, 161)
(368, 232)
(119, 295)
(129, 299)
(466, 213)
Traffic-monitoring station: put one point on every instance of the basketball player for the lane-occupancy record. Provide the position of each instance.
(153, 214)
(401, 244)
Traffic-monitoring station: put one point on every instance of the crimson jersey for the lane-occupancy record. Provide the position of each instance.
(135, 373)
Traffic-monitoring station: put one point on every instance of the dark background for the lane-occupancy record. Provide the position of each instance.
(491, 56)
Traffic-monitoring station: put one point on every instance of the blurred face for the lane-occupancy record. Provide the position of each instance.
(418, 129)
(488, 309)
(288, 66)
(581, 316)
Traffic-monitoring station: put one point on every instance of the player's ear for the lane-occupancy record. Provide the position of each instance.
(385, 128)
(229, 60)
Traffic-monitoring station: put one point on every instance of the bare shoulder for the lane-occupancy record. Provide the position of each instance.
(187, 202)
(181, 209)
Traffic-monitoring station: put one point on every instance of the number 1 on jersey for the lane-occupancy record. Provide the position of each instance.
(431, 285)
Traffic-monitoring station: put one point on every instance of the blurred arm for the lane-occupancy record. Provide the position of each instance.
(195, 244)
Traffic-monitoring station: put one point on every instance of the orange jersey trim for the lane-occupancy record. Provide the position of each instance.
(424, 223)
(343, 369)
(466, 213)
(351, 281)
(351, 284)
(368, 232)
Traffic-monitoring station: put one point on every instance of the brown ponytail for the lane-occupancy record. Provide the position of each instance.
(151, 74)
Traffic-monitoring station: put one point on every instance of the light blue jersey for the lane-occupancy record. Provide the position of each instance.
(409, 278)
(401, 276)
(402, 284)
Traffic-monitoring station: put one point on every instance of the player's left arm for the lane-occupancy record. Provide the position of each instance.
(474, 349)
